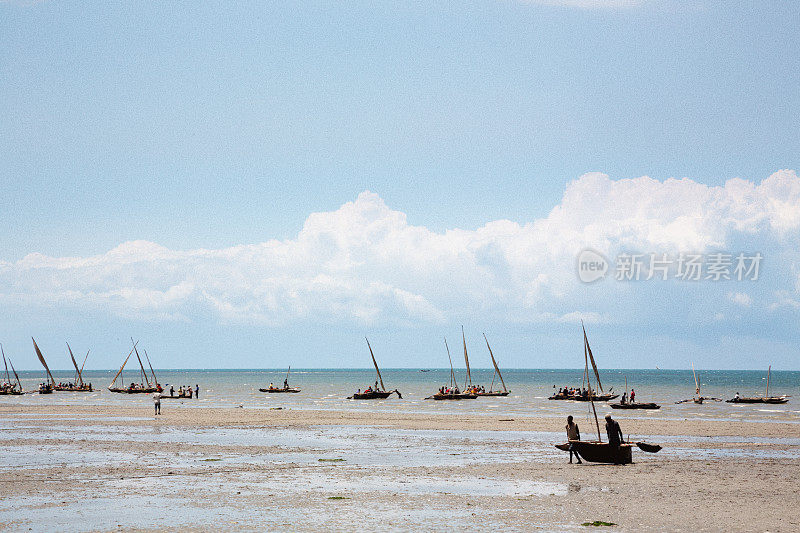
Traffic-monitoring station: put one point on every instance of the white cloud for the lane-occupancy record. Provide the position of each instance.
(365, 263)
(740, 298)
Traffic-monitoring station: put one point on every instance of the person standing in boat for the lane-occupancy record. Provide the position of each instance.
(573, 433)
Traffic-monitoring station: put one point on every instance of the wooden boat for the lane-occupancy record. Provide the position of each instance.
(765, 399)
(49, 386)
(590, 395)
(285, 388)
(133, 388)
(635, 405)
(491, 392)
(374, 394)
(10, 388)
(599, 451)
(697, 398)
(78, 385)
(453, 392)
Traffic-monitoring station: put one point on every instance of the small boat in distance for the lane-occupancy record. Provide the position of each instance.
(78, 385)
(10, 388)
(633, 405)
(697, 398)
(143, 387)
(503, 392)
(285, 388)
(452, 392)
(765, 399)
(374, 393)
(48, 386)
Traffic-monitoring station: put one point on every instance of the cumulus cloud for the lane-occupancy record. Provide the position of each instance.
(365, 263)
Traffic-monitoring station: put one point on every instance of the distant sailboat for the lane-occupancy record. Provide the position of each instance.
(497, 373)
(697, 398)
(48, 386)
(78, 385)
(634, 405)
(374, 393)
(452, 392)
(10, 388)
(285, 388)
(143, 387)
(765, 399)
(592, 395)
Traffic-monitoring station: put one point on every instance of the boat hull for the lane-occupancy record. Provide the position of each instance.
(279, 390)
(600, 452)
(74, 389)
(11, 393)
(502, 393)
(635, 406)
(375, 395)
(462, 396)
(133, 391)
(770, 400)
(600, 398)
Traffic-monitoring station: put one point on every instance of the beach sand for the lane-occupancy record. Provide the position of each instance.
(100, 468)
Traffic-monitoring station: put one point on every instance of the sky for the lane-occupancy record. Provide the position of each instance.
(258, 184)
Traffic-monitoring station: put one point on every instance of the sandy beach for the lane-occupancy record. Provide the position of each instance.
(100, 468)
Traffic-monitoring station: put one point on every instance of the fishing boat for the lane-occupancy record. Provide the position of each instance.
(374, 393)
(10, 388)
(285, 388)
(144, 386)
(452, 392)
(48, 386)
(633, 405)
(77, 385)
(587, 394)
(765, 399)
(599, 451)
(497, 373)
(697, 398)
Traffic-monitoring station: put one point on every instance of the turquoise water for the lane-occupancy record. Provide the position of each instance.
(328, 389)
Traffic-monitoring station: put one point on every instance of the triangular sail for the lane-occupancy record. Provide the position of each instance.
(589, 384)
(123, 365)
(496, 368)
(41, 359)
(155, 381)
(466, 359)
(452, 373)
(591, 358)
(376, 365)
(79, 379)
(15, 374)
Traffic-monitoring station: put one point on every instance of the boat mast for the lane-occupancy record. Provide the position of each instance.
(496, 368)
(8, 378)
(591, 358)
(589, 383)
(78, 378)
(766, 394)
(376, 365)
(155, 381)
(41, 359)
(287, 373)
(84, 362)
(144, 374)
(123, 365)
(452, 373)
(466, 359)
(15, 374)
(696, 384)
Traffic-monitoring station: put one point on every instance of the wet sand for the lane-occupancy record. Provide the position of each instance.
(97, 468)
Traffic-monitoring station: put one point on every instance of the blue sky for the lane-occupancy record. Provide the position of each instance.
(185, 127)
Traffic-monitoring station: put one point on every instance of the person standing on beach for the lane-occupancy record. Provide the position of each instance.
(573, 433)
(615, 437)
(157, 402)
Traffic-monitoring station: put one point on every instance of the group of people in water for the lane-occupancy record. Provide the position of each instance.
(185, 391)
(572, 392)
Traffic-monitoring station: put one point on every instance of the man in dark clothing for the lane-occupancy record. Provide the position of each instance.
(615, 437)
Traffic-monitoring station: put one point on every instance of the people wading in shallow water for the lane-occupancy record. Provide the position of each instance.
(573, 433)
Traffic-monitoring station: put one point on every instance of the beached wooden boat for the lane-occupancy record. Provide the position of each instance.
(374, 393)
(597, 451)
(636, 405)
(10, 388)
(144, 387)
(452, 392)
(285, 388)
(765, 399)
(50, 384)
(491, 391)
